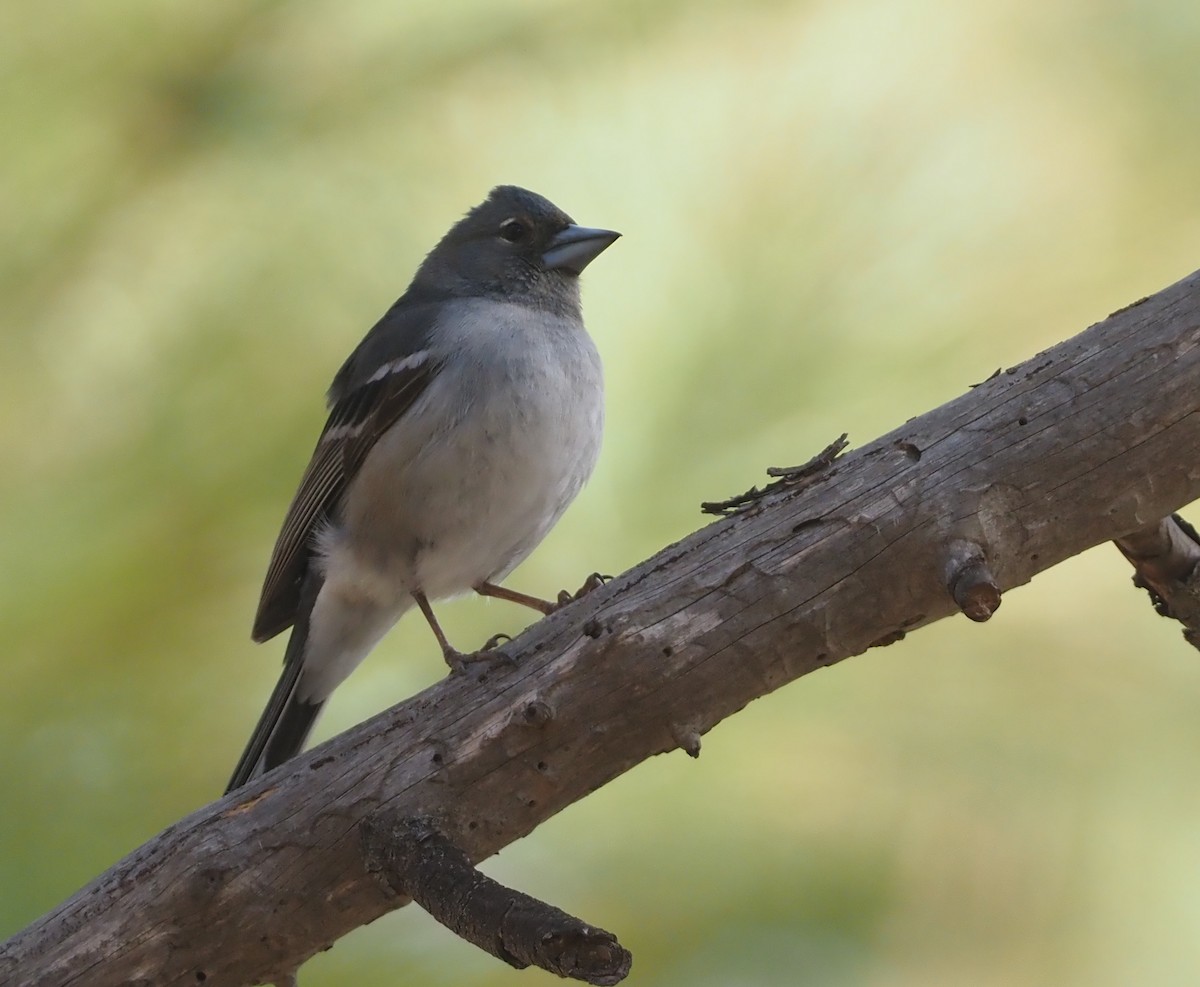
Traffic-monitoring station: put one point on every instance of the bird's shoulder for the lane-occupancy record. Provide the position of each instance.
(404, 331)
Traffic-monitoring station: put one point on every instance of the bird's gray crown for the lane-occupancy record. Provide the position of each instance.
(496, 250)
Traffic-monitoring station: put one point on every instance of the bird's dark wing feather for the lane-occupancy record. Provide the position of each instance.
(360, 415)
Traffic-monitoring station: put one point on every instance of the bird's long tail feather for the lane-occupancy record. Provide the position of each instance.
(288, 720)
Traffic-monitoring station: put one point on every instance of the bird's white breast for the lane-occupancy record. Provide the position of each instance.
(467, 483)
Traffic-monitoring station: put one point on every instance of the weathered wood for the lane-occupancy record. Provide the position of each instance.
(412, 859)
(1165, 556)
(1090, 440)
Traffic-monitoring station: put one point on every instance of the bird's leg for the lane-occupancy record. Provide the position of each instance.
(537, 603)
(456, 659)
(500, 593)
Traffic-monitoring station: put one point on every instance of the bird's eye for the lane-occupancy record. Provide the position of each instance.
(513, 230)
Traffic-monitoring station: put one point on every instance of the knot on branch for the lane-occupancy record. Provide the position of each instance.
(687, 737)
(969, 580)
(411, 858)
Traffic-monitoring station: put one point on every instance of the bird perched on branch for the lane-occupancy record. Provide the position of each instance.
(460, 429)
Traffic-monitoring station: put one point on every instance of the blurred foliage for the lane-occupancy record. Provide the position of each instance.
(836, 214)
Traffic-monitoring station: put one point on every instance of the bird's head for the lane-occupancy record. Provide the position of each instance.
(514, 245)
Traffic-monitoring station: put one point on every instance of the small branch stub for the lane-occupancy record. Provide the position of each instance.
(688, 739)
(1165, 556)
(969, 580)
(411, 858)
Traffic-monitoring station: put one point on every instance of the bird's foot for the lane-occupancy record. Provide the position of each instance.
(491, 654)
(491, 647)
(594, 581)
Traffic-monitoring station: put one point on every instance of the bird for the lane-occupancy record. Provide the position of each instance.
(459, 430)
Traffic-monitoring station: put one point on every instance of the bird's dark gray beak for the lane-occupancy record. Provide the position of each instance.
(576, 247)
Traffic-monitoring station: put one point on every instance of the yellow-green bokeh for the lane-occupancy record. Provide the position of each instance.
(837, 215)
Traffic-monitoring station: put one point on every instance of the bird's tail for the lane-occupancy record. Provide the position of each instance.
(288, 720)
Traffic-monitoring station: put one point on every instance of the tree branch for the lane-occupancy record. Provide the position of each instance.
(412, 859)
(1085, 443)
(1164, 556)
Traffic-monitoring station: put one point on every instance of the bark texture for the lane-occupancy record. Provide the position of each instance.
(1164, 556)
(412, 859)
(1091, 440)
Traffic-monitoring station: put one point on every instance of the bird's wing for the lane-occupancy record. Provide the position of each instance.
(360, 415)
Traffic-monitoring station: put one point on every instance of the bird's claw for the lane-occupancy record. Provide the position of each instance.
(594, 581)
(491, 654)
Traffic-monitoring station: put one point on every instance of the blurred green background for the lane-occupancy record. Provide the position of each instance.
(837, 215)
